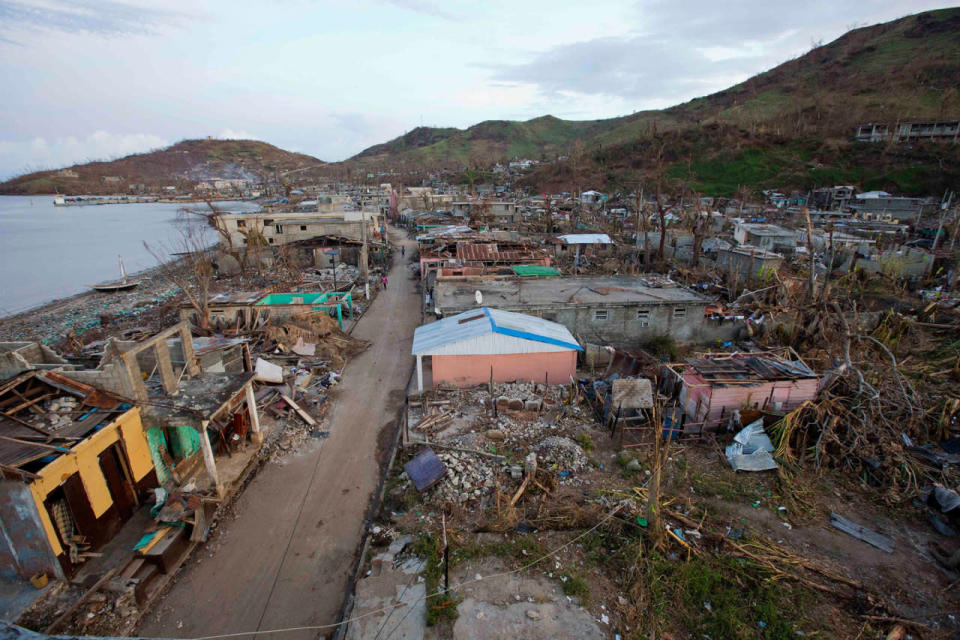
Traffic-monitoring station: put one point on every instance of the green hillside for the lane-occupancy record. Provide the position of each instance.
(789, 126)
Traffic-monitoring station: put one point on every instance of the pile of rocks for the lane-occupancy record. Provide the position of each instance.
(59, 412)
(469, 477)
(561, 454)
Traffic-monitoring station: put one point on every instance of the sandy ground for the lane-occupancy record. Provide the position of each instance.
(285, 560)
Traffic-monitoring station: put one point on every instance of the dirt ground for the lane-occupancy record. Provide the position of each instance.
(285, 559)
(704, 588)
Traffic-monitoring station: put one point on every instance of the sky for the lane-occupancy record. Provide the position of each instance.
(86, 79)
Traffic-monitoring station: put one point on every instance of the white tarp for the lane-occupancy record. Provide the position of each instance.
(751, 449)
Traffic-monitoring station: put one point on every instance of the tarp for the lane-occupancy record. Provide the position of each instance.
(751, 449)
(534, 270)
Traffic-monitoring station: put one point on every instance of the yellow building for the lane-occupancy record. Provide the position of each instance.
(68, 493)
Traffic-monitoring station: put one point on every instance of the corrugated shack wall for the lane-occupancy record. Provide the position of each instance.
(24, 547)
(704, 402)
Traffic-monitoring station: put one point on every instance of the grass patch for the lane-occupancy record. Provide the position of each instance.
(722, 597)
(585, 442)
(441, 607)
(575, 586)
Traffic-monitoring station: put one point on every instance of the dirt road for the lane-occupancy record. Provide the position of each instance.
(284, 561)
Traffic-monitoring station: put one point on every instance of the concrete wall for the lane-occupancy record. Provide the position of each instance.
(626, 326)
(24, 548)
(464, 371)
(292, 231)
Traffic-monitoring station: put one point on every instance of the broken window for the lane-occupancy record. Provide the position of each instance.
(643, 314)
(679, 312)
(303, 227)
(278, 227)
(599, 314)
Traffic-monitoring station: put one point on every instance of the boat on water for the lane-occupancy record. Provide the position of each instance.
(123, 284)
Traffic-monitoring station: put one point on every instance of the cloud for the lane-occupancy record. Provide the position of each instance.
(101, 18)
(23, 156)
(230, 134)
(626, 67)
(679, 50)
(423, 6)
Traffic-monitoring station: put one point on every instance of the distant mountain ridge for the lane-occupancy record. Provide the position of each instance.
(791, 126)
(798, 117)
(181, 164)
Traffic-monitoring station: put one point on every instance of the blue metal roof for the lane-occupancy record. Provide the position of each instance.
(485, 321)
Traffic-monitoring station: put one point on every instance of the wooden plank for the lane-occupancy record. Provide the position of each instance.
(300, 412)
(49, 447)
(861, 532)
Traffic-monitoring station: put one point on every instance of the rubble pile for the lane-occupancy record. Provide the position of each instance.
(316, 335)
(560, 454)
(469, 477)
(60, 410)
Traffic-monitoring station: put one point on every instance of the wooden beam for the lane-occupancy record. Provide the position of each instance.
(36, 444)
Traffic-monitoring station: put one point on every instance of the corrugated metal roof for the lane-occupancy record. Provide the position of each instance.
(487, 330)
(586, 238)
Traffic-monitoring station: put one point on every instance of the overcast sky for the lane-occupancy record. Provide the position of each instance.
(91, 79)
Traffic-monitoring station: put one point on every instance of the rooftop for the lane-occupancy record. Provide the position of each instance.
(585, 238)
(758, 229)
(563, 291)
(431, 339)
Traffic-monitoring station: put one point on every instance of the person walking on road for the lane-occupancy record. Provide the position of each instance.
(403, 251)
(383, 281)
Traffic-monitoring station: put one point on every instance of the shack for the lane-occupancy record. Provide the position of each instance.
(711, 387)
(483, 344)
(76, 464)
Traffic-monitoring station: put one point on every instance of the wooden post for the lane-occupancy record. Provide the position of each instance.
(208, 460)
(256, 436)
(419, 374)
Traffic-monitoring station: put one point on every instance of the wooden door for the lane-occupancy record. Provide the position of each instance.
(121, 490)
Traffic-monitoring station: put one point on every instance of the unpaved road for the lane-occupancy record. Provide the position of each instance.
(285, 560)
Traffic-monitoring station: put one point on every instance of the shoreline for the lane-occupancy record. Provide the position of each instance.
(51, 321)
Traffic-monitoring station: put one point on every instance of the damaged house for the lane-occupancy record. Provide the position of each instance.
(711, 387)
(76, 464)
(621, 311)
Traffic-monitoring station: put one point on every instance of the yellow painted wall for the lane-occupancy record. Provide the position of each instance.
(83, 458)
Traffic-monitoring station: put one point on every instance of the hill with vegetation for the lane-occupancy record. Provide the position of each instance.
(791, 126)
(183, 165)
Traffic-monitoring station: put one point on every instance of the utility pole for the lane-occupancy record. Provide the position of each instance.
(364, 266)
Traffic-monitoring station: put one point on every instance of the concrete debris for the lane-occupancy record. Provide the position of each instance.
(562, 454)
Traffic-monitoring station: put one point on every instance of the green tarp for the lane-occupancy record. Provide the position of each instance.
(534, 270)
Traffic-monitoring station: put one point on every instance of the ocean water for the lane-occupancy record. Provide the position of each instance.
(49, 252)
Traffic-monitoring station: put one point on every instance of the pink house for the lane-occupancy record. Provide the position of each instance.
(466, 349)
(713, 387)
